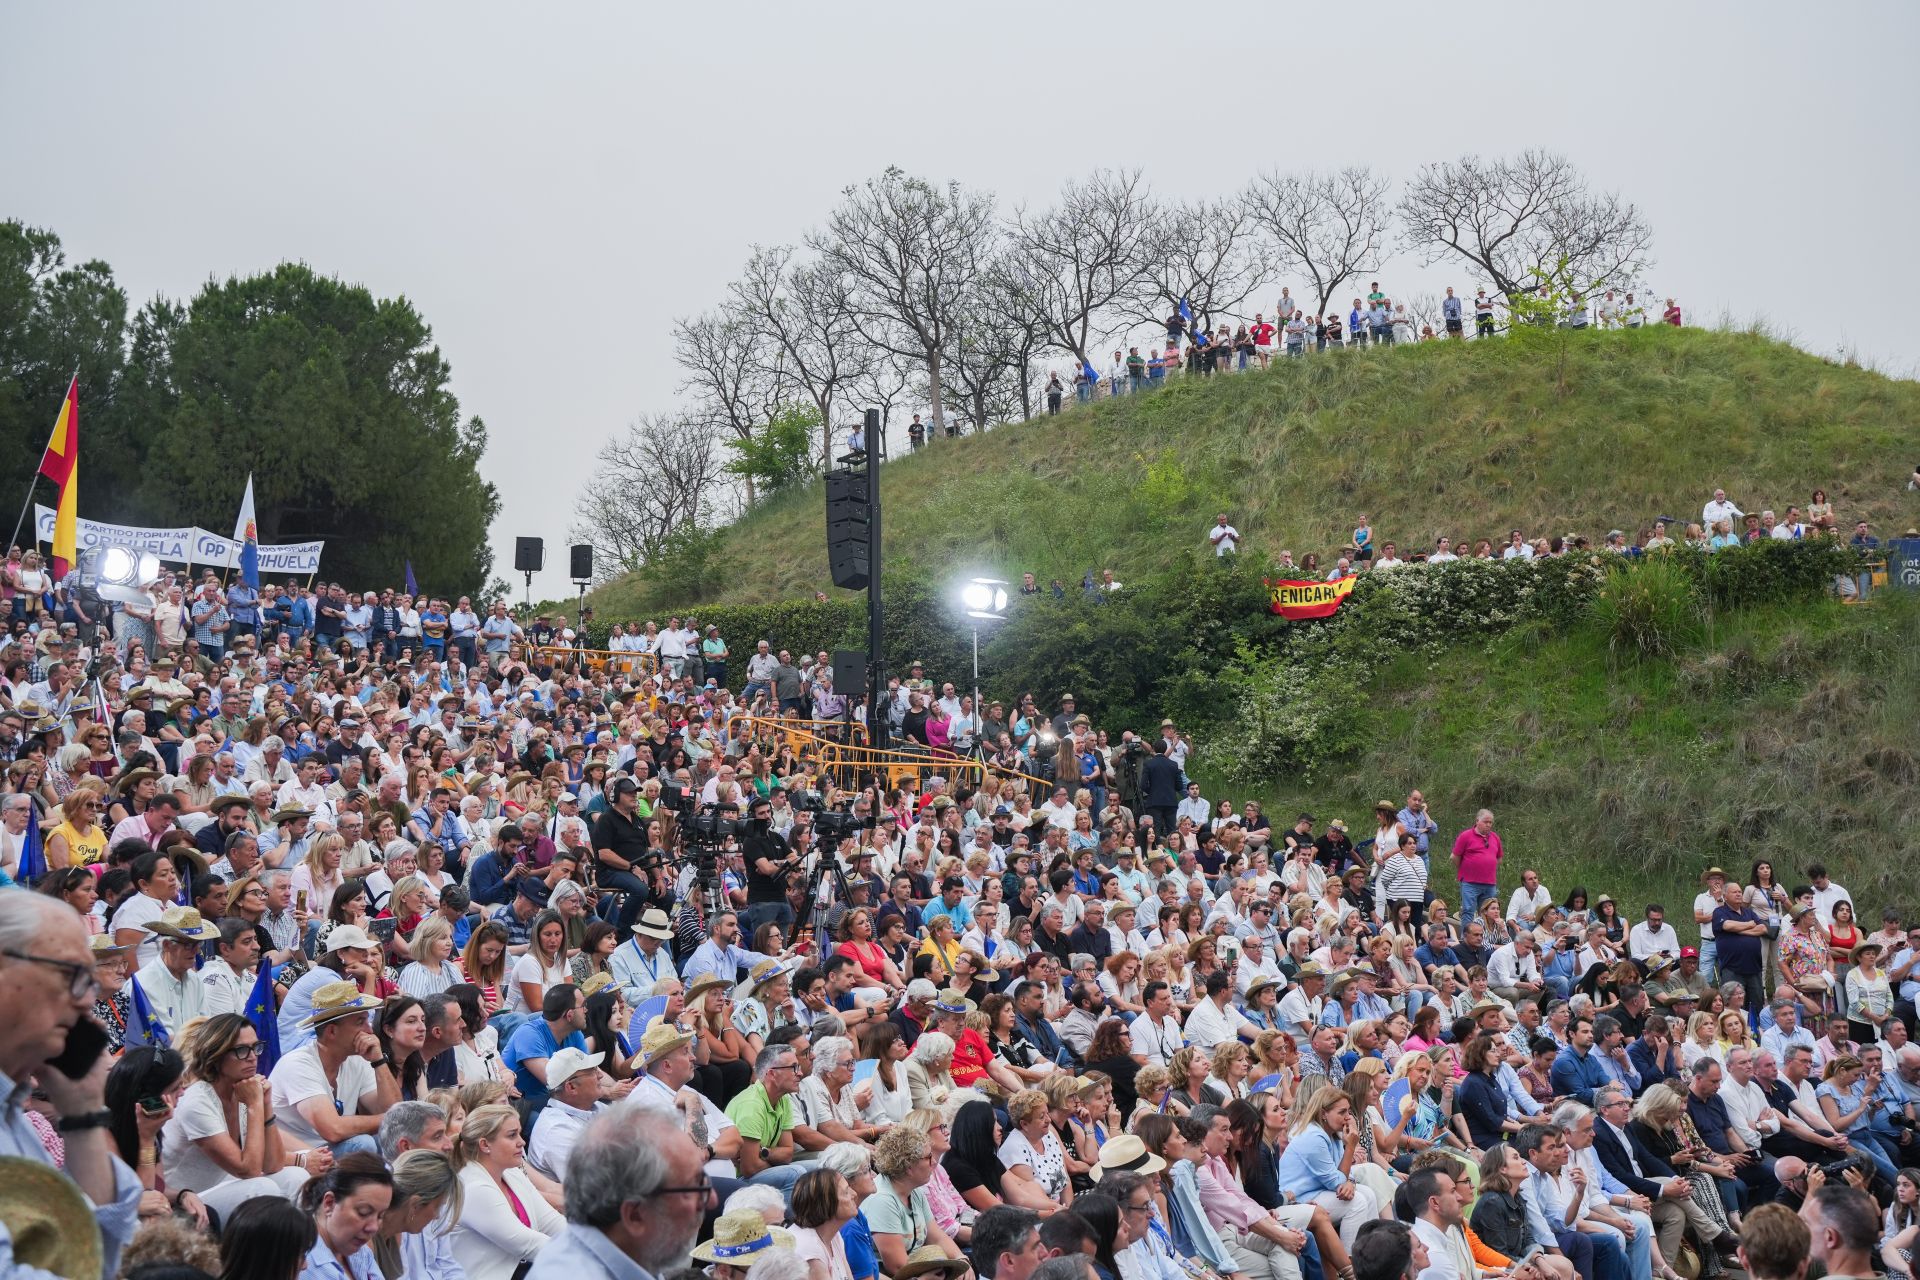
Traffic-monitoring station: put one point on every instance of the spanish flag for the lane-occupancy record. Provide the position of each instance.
(62, 466)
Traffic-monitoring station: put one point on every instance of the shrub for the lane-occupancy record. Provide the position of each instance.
(1649, 610)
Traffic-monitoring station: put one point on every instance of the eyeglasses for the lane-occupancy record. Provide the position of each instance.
(245, 1051)
(80, 980)
(1138, 1208)
(703, 1189)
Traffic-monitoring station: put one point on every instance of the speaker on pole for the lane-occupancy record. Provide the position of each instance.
(849, 527)
(529, 555)
(582, 562)
(850, 672)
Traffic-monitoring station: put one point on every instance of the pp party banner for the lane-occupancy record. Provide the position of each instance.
(174, 545)
(1309, 599)
(188, 546)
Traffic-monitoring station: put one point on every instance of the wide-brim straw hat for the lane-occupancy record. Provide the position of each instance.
(49, 1220)
(928, 1258)
(1125, 1153)
(739, 1237)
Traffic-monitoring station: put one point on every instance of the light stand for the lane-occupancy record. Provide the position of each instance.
(527, 606)
(985, 600)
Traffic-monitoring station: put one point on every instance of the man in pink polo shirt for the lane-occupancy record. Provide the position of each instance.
(1476, 860)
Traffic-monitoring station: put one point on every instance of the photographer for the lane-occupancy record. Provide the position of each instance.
(769, 864)
(620, 853)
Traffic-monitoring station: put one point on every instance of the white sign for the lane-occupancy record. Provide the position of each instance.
(188, 546)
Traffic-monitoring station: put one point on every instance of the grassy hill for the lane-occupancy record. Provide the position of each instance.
(1786, 734)
(1553, 434)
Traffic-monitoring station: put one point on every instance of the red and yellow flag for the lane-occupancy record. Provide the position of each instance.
(1309, 599)
(62, 466)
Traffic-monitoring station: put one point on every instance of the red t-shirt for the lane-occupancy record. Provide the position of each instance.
(970, 1055)
(1262, 334)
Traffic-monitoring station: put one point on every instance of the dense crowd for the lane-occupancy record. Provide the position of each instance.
(362, 936)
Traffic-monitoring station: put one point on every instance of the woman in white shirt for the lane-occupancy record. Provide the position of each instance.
(1032, 1153)
(891, 1100)
(544, 964)
(504, 1220)
(220, 1142)
(823, 1202)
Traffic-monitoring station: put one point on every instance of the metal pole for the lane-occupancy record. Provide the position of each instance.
(876, 620)
(976, 671)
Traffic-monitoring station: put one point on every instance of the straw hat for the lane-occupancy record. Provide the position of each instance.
(653, 923)
(703, 984)
(763, 973)
(183, 924)
(292, 813)
(1260, 984)
(951, 1001)
(929, 1258)
(50, 1221)
(1124, 1153)
(1864, 945)
(739, 1237)
(661, 1039)
(1710, 873)
(596, 983)
(104, 948)
(338, 1000)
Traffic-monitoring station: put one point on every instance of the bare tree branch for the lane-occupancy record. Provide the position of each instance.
(807, 316)
(1071, 265)
(1328, 227)
(1208, 257)
(661, 474)
(1512, 217)
(910, 253)
(729, 371)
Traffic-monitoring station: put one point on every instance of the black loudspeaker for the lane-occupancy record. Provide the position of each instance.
(850, 671)
(582, 562)
(847, 524)
(529, 555)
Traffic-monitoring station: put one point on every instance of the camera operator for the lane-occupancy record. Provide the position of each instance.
(770, 863)
(620, 853)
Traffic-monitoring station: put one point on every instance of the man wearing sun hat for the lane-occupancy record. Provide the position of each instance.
(643, 959)
(333, 1090)
(666, 1054)
(172, 988)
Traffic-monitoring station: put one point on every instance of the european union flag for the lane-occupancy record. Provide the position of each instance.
(143, 1024)
(1197, 335)
(413, 588)
(33, 850)
(264, 1015)
(1092, 375)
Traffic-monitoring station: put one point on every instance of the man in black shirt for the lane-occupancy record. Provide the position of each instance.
(619, 846)
(1160, 790)
(768, 863)
(1334, 850)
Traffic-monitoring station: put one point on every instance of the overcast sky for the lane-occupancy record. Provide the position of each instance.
(552, 185)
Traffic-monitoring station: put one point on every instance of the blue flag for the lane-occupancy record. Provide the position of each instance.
(1186, 313)
(246, 532)
(264, 1015)
(413, 588)
(143, 1025)
(33, 850)
(1092, 375)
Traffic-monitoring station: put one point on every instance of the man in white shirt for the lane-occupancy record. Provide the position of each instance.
(1437, 1225)
(1825, 893)
(1513, 971)
(1194, 807)
(334, 1088)
(1215, 1020)
(1442, 552)
(1528, 900)
(1224, 537)
(307, 792)
(171, 986)
(1746, 1102)
(1156, 1034)
(1300, 1008)
(1256, 962)
(1720, 509)
(227, 979)
(668, 1054)
(573, 1098)
(1123, 930)
(1653, 936)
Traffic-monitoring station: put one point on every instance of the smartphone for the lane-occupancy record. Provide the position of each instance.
(86, 1041)
(153, 1106)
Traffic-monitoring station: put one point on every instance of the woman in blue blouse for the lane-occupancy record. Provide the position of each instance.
(1324, 1142)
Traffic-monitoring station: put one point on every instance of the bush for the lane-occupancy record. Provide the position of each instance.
(1650, 610)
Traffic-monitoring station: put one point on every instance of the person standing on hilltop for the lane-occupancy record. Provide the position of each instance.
(1054, 392)
(1452, 313)
(1672, 314)
(1262, 339)
(1224, 537)
(1720, 509)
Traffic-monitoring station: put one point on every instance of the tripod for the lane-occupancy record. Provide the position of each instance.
(824, 865)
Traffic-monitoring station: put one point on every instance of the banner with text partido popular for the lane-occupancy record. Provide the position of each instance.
(1308, 599)
(186, 545)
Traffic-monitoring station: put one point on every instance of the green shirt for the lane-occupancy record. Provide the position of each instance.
(759, 1118)
(887, 1213)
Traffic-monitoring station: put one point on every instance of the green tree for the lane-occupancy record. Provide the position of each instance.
(778, 456)
(337, 402)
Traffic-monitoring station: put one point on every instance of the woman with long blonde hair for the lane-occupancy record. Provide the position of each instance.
(319, 872)
(79, 840)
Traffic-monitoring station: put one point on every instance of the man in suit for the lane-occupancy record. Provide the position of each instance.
(1160, 789)
(1632, 1164)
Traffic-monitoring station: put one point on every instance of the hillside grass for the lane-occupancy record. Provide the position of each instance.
(1787, 733)
(1551, 434)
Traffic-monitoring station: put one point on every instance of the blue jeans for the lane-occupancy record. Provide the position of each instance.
(358, 1144)
(781, 1177)
(1709, 958)
(1473, 895)
(1083, 393)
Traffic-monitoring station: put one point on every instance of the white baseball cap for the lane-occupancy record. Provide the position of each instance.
(567, 1063)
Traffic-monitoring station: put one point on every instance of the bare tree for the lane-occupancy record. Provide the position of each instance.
(983, 360)
(1208, 257)
(1071, 265)
(728, 371)
(661, 474)
(910, 253)
(807, 317)
(1512, 217)
(889, 383)
(1426, 313)
(1328, 227)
